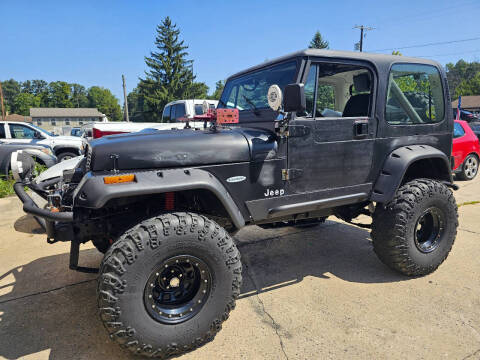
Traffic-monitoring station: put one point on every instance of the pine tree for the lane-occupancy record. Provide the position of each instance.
(318, 42)
(170, 75)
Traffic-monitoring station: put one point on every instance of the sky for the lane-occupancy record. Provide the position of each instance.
(95, 42)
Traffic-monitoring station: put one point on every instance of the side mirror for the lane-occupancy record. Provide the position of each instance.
(37, 135)
(294, 98)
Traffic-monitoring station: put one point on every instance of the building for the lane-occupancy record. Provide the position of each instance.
(469, 103)
(60, 118)
(19, 118)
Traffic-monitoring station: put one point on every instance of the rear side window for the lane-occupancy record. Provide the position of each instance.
(180, 112)
(2, 131)
(166, 114)
(415, 95)
(458, 130)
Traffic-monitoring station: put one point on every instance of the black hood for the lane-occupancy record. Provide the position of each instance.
(169, 148)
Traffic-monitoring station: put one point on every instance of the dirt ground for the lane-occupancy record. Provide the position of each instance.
(317, 293)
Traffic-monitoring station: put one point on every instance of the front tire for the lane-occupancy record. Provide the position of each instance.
(66, 156)
(414, 233)
(167, 284)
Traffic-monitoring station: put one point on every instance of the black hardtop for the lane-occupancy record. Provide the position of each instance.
(380, 61)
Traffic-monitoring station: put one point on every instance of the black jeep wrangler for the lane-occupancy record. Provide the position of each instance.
(293, 141)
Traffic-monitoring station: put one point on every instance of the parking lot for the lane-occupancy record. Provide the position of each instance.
(308, 293)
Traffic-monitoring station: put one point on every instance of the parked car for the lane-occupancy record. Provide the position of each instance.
(174, 116)
(465, 151)
(76, 131)
(64, 147)
(43, 154)
(296, 145)
(465, 115)
(475, 126)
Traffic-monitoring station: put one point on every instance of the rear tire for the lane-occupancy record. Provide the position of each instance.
(415, 232)
(469, 168)
(145, 303)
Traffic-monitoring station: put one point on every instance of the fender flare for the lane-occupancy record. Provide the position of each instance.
(57, 149)
(397, 164)
(92, 193)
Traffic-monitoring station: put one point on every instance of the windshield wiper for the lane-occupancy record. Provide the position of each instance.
(250, 102)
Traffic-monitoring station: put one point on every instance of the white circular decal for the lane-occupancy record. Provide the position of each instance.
(235, 179)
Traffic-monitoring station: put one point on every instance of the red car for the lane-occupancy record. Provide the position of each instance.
(466, 151)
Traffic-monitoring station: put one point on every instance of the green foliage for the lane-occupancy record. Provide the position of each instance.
(318, 42)
(10, 89)
(170, 75)
(6, 187)
(105, 102)
(24, 101)
(396, 52)
(469, 87)
(462, 73)
(219, 85)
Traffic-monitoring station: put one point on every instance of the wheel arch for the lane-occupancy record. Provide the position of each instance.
(407, 163)
(62, 149)
(93, 193)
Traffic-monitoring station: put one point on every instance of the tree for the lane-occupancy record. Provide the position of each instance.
(11, 89)
(79, 96)
(219, 85)
(105, 102)
(59, 94)
(24, 101)
(469, 87)
(318, 42)
(396, 52)
(135, 105)
(461, 71)
(170, 75)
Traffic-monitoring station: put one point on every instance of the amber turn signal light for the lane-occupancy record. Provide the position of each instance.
(118, 179)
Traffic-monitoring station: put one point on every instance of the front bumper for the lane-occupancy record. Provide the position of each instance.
(30, 207)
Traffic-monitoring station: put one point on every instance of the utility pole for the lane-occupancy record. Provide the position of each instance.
(363, 29)
(3, 106)
(125, 116)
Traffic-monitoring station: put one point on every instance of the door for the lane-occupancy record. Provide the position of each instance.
(330, 145)
(20, 133)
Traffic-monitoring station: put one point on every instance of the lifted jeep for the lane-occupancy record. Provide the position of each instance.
(293, 141)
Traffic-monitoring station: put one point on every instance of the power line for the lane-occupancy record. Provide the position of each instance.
(428, 44)
(449, 54)
(362, 30)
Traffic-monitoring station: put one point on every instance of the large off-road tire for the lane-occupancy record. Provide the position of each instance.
(414, 233)
(469, 168)
(167, 284)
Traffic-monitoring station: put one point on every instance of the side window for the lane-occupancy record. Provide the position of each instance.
(342, 90)
(310, 92)
(415, 95)
(2, 131)
(458, 130)
(173, 117)
(180, 111)
(166, 114)
(18, 131)
(198, 109)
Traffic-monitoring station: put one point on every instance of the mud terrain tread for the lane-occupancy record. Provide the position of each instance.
(390, 224)
(124, 252)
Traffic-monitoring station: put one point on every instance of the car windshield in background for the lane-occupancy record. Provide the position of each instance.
(249, 92)
(42, 130)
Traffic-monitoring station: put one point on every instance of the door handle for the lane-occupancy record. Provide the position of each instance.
(360, 128)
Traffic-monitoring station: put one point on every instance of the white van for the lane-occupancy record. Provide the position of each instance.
(180, 110)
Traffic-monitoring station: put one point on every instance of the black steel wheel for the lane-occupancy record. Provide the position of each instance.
(429, 229)
(177, 289)
(414, 233)
(167, 284)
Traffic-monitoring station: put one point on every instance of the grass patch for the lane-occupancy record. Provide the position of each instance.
(6, 187)
(469, 203)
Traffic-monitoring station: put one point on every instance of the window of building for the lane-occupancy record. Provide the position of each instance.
(18, 131)
(2, 131)
(53, 122)
(338, 90)
(39, 122)
(458, 130)
(67, 121)
(80, 122)
(415, 95)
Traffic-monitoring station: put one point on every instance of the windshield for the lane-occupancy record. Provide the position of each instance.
(249, 92)
(42, 130)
